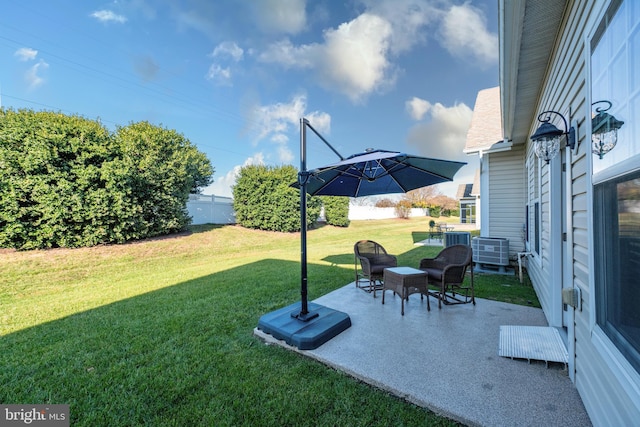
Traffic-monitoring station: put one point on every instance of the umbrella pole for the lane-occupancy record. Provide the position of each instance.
(303, 177)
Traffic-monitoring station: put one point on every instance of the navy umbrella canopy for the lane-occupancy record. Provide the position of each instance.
(377, 172)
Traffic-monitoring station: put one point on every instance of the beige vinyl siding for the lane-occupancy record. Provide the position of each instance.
(610, 390)
(507, 190)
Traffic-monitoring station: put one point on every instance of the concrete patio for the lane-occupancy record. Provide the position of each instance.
(447, 360)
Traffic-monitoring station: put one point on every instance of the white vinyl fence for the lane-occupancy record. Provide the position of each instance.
(372, 212)
(210, 209)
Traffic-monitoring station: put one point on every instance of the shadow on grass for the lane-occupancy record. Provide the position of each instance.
(185, 355)
(342, 259)
(419, 236)
(203, 228)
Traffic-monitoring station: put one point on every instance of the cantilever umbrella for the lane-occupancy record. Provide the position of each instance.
(366, 174)
(379, 172)
(370, 173)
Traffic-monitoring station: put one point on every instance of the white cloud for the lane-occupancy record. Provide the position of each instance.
(417, 107)
(445, 134)
(225, 50)
(358, 57)
(201, 19)
(228, 49)
(280, 16)
(223, 186)
(283, 52)
(352, 60)
(407, 18)
(320, 121)
(219, 75)
(26, 54)
(464, 34)
(285, 155)
(277, 122)
(34, 77)
(108, 16)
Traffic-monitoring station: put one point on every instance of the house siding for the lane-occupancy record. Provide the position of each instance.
(507, 186)
(610, 389)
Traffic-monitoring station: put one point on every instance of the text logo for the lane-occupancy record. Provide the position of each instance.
(34, 415)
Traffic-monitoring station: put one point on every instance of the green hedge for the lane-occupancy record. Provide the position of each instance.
(66, 181)
(336, 210)
(263, 199)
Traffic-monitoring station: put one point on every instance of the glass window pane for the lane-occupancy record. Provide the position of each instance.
(615, 66)
(617, 246)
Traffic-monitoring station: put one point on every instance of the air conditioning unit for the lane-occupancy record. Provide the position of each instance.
(491, 250)
(457, 238)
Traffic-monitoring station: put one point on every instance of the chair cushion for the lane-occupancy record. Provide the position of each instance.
(434, 273)
(377, 269)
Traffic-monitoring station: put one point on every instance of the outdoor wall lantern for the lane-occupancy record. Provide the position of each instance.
(547, 137)
(604, 130)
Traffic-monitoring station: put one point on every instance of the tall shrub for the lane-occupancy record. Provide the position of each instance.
(264, 199)
(161, 168)
(50, 179)
(336, 210)
(66, 181)
(403, 209)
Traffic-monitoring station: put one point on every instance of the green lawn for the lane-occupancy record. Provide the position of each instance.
(160, 332)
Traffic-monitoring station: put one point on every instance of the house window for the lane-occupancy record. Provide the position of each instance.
(468, 212)
(617, 254)
(615, 68)
(532, 215)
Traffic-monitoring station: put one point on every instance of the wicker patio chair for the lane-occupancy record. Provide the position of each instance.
(447, 271)
(372, 259)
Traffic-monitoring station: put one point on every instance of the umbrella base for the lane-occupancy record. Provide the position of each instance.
(307, 333)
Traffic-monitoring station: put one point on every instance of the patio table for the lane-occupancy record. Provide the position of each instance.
(405, 281)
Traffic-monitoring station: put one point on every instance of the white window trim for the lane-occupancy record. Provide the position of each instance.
(625, 374)
(534, 162)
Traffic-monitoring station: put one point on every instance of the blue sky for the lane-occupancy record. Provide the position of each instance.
(235, 76)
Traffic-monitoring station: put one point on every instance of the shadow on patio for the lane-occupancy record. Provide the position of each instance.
(447, 360)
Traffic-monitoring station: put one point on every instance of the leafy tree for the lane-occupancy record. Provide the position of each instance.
(403, 209)
(336, 210)
(264, 199)
(430, 197)
(422, 197)
(447, 205)
(66, 181)
(385, 203)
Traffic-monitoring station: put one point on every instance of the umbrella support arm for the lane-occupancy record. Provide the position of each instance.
(305, 122)
(303, 178)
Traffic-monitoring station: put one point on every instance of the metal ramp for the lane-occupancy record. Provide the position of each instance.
(532, 343)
